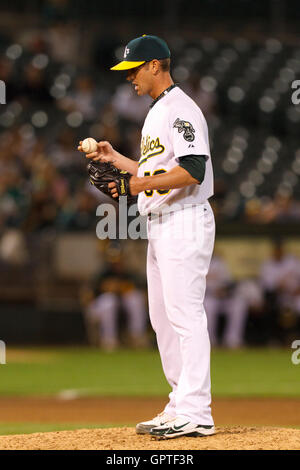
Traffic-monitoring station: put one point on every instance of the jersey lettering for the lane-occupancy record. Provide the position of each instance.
(149, 192)
(150, 145)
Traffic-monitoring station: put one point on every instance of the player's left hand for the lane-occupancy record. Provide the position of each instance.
(105, 177)
(133, 185)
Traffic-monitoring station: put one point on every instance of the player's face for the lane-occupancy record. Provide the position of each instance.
(141, 78)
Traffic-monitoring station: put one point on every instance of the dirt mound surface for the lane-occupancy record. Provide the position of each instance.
(231, 438)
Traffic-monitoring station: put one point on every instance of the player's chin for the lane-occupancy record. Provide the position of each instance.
(139, 91)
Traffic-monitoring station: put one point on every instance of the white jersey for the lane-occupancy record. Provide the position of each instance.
(174, 127)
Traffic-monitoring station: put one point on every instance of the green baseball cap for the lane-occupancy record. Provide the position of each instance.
(141, 50)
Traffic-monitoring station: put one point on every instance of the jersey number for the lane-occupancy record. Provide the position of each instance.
(149, 192)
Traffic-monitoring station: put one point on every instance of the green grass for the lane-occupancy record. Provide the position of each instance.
(48, 371)
(29, 428)
(249, 373)
(90, 371)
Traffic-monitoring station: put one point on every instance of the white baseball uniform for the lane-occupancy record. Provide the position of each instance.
(178, 259)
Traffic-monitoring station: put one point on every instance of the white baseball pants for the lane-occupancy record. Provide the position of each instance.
(179, 252)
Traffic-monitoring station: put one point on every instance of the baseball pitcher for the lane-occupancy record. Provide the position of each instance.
(174, 175)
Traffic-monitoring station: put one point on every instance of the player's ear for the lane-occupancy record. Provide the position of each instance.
(155, 66)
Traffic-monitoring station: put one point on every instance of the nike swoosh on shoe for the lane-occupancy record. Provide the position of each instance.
(176, 428)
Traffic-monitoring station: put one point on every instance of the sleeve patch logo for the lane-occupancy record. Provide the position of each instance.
(185, 127)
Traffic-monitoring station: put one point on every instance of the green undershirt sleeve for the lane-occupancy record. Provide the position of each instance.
(195, 165)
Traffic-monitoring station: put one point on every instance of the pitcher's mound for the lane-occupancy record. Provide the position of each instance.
(240, 438)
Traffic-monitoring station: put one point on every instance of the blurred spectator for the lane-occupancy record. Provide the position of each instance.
(231, 299)
(129, 105)
(77, 213)
(85, 98)
(63, 153)
(73, 105)
(63, 42)
(281, 209)
(13, 248)
(202, 91)
(33, 87)
(115, 290)
(252, 305)
(280, 281)
(44, 186)
(110, 128)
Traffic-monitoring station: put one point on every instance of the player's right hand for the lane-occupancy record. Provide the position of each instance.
(105, 152)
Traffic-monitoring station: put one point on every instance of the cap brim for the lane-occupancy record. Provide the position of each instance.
(126, 65)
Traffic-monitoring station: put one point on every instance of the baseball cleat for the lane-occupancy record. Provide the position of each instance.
(180, 426)
(146, 426)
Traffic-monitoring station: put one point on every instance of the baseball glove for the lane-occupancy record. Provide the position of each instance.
(101, 174)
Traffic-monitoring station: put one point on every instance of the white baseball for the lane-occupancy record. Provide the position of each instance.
(89, 145)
